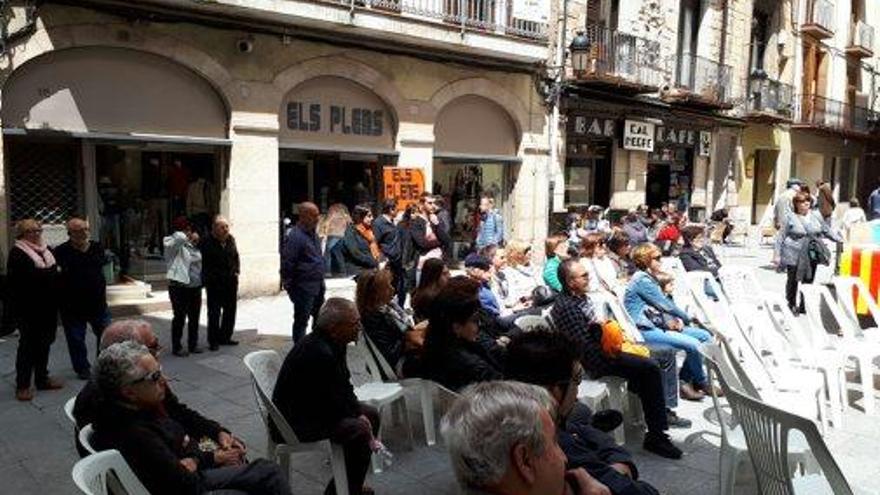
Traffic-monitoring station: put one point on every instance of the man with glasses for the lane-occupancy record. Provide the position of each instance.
(83, 291)
(550, 360)
(165, 453)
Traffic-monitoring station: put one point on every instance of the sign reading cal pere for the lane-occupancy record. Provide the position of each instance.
(404, 184)
(638, 135)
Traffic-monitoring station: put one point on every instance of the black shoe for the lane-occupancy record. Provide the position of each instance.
(230, 342)
(195, 350)
(214, 347)
(180, 353)
(607, 420)
(659, 443)
(675, 421)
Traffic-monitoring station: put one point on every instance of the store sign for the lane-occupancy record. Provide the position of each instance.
(532, 10)
(676, 137)
(335, 119)
(406, 185)
(638, 135)
(594, 127)
(705, 143)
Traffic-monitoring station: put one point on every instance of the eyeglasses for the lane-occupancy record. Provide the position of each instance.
(153, 377)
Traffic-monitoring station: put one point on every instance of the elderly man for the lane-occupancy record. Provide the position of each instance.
(82, 292)
(523, 458)
(220, 269)
(163, 454)
(574, 315)
(302, 269)
(315, 395)
(551, 360)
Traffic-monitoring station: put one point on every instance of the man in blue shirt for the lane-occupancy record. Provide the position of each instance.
(874, 204)
(302, 269)
(491, 229)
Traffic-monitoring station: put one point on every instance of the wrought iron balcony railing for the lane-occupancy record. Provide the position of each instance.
(769, 97)
(820, 18)
(701, 79)
(624, 59)
(861, 39)
(834, 114)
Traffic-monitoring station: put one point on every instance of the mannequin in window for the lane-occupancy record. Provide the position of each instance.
(178, 185)
(199, 198)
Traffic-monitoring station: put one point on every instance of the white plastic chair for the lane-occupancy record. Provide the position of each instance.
(681, 289)
(848, 289)
(528, 323)
(769, 433)
(92, 474)
(850, 345)
(264, 367)
(68, 409)
(733, 443)
(86, 434)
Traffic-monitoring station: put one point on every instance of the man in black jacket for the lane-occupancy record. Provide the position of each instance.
(551, 360)
(166, 456)
(388, 237)
(315, 395)
(220, 269)
(82, 293)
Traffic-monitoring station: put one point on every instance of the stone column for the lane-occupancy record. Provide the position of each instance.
(250, 200)
(415, 143)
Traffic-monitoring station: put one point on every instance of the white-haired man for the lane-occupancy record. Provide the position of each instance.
(523, 458)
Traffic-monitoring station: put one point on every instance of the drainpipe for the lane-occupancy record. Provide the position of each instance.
(559, 76)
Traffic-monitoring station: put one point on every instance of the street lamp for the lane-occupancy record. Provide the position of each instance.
(580, 53)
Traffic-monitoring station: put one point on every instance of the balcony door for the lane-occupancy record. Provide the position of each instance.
(688, 33)
(815, 82)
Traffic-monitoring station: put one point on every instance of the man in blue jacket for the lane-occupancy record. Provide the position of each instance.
(302, 269)
(491, 229)
(388, 237)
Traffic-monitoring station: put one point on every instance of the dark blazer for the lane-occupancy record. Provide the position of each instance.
(388, 239)
(699, 260)
(419, 232)
(153, 445)
(356, 252)
(460, 363)
(314, 390)
(220, 264)
(386, 333)
(82, 288)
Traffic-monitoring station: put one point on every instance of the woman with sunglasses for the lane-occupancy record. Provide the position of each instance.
(33, 281)
(799, 247)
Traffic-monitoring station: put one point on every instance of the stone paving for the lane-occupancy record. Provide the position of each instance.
(36, 439)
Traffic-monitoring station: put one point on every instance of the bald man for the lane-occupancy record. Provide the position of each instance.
(83, 291)
(220, 269)
(302, 269)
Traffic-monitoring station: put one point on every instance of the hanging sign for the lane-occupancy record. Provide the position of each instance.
(705, 143)
(531, 10)
(638, 135)
(406, 185)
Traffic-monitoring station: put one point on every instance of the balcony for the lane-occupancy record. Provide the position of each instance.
(861, 40)
(820, 19)
(699, 82)
(834, 116)
(622, 62)
(768, 100)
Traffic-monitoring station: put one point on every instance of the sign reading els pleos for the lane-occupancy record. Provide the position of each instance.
(312, 117)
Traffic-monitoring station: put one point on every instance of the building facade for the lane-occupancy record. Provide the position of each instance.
(135, 115)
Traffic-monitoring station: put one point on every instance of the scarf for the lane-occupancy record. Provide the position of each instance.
(367, 234)
(38, 253)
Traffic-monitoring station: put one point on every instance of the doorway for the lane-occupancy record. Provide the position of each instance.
(763, 182)
(657, 185)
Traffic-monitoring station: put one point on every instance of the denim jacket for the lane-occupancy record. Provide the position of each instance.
(491, 230)
(644, 293)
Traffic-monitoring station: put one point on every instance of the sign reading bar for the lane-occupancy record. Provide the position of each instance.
(638, 135)
(705, 143)
(594, 127)
(404, 184)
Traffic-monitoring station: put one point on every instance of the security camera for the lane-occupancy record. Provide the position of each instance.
(245, 45)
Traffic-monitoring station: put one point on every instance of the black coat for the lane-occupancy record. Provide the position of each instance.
(699, 260)
(386, 333)
(388, 239)
(419, 233)
(83, 290)
(356, 252)
(314, 390)
(459, 363)
(32, 291)
(220, 264)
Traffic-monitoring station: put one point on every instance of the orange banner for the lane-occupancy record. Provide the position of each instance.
(404, 184)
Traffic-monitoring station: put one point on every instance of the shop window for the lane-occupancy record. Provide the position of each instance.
(43, 180)
(588, 173)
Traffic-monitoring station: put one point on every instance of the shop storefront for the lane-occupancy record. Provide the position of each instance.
(588, 160)
(88, 131)
(672, 165)
(475, 153)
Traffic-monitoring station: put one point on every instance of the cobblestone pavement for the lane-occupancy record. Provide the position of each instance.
(36, 439)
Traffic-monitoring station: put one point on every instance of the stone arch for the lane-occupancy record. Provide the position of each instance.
(488, 89)
(346, 68)
(111, 36)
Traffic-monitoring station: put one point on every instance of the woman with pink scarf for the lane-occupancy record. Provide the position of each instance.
(33, 282)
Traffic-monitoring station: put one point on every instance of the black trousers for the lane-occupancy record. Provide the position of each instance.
(791, 287)
(36, 335)
(305, 305)
(399, 282)
(260, 476)
(354, 437)
(186, 303)
(222, 305)
(643, 377)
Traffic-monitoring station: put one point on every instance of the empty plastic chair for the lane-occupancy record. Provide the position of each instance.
(68, 409)
(94, 473)
(86, 436)
(529, 323)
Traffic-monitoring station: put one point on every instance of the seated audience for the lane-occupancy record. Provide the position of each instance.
(590, 246)
(454, 356)
(669, 235)
(551, 360)
(644, 294)
(359, 247)
(636, 226)
(387, 325)
(574, 315)
(435, 274)
(619, 246)
(696, 255)
(165, 454)
(556, 250)
(523, 458)
(521, 281)
(594, 223)
(315, 394)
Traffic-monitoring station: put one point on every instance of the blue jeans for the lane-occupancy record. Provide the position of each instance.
(305, 305)
(75, 331)
(689, 340)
